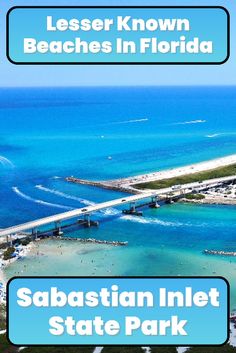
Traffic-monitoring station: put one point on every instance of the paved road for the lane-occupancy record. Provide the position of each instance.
(187, 188)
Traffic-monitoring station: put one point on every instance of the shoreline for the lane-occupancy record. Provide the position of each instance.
(126, 184)
(180, 171)
(32, 249)
(5, 263)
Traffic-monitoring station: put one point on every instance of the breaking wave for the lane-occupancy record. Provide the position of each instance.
(6, 162)
(40, 202)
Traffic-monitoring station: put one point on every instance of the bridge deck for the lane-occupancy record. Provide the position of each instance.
(113, 203)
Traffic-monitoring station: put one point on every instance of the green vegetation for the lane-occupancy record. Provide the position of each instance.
(194, 197)
(5, 347)
(25, 241)
(8, 253)
(2, 317)
(190, 178)
(224, 349)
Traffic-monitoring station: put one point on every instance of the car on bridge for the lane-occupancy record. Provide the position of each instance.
(176, 187)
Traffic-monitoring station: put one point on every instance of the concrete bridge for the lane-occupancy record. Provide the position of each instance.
(151, 196)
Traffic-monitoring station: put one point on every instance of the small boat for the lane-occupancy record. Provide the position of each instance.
(109, 157)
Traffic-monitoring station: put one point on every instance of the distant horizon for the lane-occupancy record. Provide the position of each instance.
(17, 76)
(122, 86)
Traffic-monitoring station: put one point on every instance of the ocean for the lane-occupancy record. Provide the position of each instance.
(48, 134)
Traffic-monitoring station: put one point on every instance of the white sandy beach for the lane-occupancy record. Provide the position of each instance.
(171, 173)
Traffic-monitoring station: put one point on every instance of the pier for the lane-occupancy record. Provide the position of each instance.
(82, 215)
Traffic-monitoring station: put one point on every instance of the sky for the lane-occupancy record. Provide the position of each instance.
(94, 75)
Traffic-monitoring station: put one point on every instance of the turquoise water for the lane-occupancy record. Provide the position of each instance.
(50, 133)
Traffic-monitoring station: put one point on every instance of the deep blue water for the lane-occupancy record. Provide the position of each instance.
(60, 132)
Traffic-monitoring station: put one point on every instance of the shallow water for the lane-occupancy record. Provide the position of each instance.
(56, 133)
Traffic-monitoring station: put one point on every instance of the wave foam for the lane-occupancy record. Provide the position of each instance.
(41, 202)
(107, 211)
(110, 212)
(146, 220)
(131, 121)
(198, 121)
(64, 195)
(6, 162)
(213, 135)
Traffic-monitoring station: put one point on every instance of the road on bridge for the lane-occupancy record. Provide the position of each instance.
(186, 188)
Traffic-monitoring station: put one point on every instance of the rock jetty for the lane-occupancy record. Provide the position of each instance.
(220, 252)
(94, 241)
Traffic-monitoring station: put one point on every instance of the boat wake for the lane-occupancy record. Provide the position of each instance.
(147, 220)
(130, 121)
(110, 212)
(56, 177)
(107, 211)
(40, 202)
(6, 162)
(64, 195)
(198, 121)
(213, 135)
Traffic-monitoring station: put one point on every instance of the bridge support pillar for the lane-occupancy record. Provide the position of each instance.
(57, 232)
(132, 210)
(169, 198)
(133, 207)
(182, 192)
(87, 220)
(9, 240)
(34, 234)
(154, 203)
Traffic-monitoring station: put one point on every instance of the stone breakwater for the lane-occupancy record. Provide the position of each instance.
(220, 253)
(128, 184)
(109, 185)
(93, 240)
